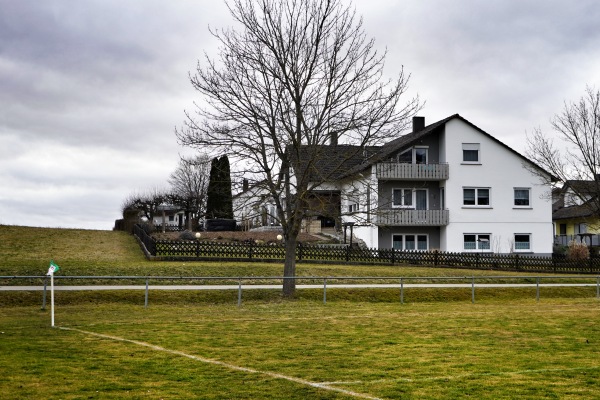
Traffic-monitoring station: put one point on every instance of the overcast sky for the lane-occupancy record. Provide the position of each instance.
(91, 91)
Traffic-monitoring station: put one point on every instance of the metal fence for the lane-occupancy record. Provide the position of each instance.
(239, 284)
(251, 251)
(588, 239)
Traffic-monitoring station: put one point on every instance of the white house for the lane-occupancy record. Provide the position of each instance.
(169, 215)
(253, 207)
(448, 186)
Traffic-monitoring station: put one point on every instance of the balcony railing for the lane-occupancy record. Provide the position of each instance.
(412, 218)
(421, 172)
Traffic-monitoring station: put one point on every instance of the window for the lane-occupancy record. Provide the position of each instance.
(476, 196)
(410, 242)
(420, 155)
(171, 218)
(352, 207)
(409, 198)
(470, 153)
(476, 241)
(522, 242)
(562, 229)
(405, 157)
(522, 197)
(416, 155)
(402, 198)
(580, 228)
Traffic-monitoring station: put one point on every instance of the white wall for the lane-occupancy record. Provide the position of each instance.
(501, 170)
(363, 230)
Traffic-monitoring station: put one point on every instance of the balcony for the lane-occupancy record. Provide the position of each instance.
(417, 172)
(405, 217)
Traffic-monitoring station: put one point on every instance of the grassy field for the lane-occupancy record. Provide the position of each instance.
(361, 344)
(303, 349)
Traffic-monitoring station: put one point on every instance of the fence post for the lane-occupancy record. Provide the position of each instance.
(250, 246)
(347, 253)
(435, 258)
(537, 289)
(477, 260)
(393, 255)
(598, 287)
(324, 290)
(473, 290)
(299, 247)
(197, 248)
(239, 293)
(146, 295)
(516, 261)
(401, 290)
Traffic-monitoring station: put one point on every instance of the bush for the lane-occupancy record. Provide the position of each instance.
(578, 251)
(560, 249)
(148, 228)
(187, 235)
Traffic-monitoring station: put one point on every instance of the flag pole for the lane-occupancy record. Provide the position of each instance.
(52, 297)
(53, 268)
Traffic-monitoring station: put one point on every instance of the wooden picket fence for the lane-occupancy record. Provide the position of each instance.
(250, 251)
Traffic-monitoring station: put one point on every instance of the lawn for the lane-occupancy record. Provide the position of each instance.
(304, 349)
(361, 344)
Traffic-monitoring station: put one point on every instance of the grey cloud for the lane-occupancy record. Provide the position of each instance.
(101, 84)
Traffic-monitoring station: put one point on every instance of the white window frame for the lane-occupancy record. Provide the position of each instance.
(477, 205)
(481, 243)
(416, 235)
(413, 197)
(471, 147)
(528, 205)
(521, 250)
(402, 204)
(353, 207)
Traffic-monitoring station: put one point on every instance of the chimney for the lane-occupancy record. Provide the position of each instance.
(418, 124)
(245, 185)
(333, 139)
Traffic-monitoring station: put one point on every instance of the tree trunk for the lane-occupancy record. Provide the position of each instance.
(289, 267)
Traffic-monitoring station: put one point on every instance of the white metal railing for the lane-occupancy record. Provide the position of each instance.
(238, 284)
(400, 217)
(423, 172)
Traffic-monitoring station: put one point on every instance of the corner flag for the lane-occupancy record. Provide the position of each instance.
(53, 268)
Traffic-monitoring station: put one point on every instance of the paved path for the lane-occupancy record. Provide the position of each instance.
(312, 286)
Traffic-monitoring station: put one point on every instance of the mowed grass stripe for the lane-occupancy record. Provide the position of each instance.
(224, 364)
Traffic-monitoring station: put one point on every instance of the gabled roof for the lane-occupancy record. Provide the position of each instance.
(583, 187)
(333, 162)
(581, 211)
(393, 146)
(407, 140)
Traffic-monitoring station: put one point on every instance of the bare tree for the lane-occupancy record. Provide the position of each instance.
(578, 126)
(298, 75)
(189, 184)
(146, 202)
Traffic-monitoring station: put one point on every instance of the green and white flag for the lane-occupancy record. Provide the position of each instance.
(53, 268)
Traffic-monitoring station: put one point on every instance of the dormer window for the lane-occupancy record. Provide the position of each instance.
(405, 157)
(414, 155)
